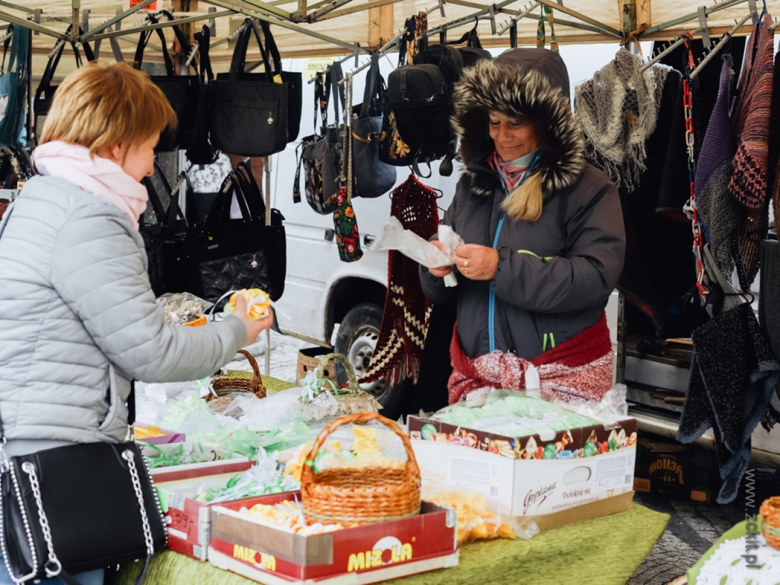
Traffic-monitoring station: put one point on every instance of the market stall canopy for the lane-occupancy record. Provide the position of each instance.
(330, 27)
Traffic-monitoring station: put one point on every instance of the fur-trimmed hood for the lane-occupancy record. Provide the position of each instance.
(532, 83)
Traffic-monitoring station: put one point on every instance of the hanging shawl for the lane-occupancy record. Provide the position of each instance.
(752, 114)
(618, 110)
(401, 341)
(733, 374)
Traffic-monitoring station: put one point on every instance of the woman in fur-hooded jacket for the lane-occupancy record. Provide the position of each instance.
(543, 232)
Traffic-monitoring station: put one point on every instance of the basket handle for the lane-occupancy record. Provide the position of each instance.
(257, 381)
(307, 474)
(320, 373)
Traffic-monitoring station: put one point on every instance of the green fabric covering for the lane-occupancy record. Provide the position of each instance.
(275, 385)
(605, 550)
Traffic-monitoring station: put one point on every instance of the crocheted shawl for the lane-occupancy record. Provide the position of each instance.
(577, 369)
(399, 349)
(618, 110)
(751, 117)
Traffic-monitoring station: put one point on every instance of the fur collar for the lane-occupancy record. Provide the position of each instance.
(527, 82)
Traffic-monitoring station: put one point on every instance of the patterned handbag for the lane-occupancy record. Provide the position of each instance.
(344, 220)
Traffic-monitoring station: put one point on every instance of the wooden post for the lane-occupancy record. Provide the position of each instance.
(380, 26)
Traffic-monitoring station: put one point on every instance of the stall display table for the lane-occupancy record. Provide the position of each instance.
(604, 550)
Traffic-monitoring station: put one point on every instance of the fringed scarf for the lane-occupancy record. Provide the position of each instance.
(618, 110)
(404, 327)
(577, 369)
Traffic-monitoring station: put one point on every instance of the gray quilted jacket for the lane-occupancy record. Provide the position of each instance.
(78, 319)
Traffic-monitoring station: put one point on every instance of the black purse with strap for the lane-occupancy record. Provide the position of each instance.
(180, 90)
(200, 151)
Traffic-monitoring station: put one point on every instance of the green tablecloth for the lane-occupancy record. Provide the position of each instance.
(603, 551)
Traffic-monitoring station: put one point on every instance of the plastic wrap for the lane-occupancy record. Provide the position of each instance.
(351, 446)
(514, 414)
(263, 478)
(611, 408)
(182, 307)
(479, 517)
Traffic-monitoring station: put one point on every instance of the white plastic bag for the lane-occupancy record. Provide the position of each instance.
(395, 237)
(611, 408)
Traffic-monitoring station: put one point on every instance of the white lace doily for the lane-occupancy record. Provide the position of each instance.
(727, 562)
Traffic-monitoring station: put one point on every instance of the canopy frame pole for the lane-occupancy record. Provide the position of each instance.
(691, 16)
(10, 18)
(578, 15)
(153, 26)
(227, 4)
(333, 5)
(721, 43)
(110, 22)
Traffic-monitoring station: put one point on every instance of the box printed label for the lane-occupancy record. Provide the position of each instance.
(616, 472)
(482, 477)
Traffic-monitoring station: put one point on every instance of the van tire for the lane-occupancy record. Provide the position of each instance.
(361, 326)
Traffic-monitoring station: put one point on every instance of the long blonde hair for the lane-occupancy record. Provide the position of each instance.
(526, 202)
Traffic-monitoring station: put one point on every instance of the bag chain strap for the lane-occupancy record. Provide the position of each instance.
(29, 469)
(128, 456)
(8, 468)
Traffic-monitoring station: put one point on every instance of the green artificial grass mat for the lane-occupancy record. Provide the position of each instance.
(602, 551)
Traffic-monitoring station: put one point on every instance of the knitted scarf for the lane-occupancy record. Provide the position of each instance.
(618, 110)
(577, 369)
(404, 327)
(511, 172)
(752, 114)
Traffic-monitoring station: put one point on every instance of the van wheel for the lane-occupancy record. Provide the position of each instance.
(356, 340)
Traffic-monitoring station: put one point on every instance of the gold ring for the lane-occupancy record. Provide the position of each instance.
(465, 264)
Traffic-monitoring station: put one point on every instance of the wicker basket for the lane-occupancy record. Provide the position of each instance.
(223, 385)
(770, 513)
(370, 494)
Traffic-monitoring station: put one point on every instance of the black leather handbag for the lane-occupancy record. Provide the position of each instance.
(181, 90)
(248, 117)
(200, 151)
(230, 254)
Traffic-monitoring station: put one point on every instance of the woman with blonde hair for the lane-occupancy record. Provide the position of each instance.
(544, 236)
(78, 318)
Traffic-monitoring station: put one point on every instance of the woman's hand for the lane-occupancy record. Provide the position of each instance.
(476, 262)
(253, 328)
(440, 271)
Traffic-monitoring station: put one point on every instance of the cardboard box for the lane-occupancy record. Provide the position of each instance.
(188, 521)
(671, 469)
(532, 476)
(215, 465)
(309, 360)
(370, 553)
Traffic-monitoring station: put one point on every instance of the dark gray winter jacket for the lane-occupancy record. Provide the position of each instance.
(554, 275)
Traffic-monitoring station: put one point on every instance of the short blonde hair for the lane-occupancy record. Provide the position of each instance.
(100, 105)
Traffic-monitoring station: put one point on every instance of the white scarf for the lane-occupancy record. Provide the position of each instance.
(99, 176)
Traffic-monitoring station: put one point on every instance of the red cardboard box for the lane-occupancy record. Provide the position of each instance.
(371, 553)
(188, 521)
(218, 464)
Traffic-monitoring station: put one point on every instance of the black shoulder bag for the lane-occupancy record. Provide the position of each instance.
(248, 117)
(199, 150)
(77, 508)
(180, 90)
(44, 95)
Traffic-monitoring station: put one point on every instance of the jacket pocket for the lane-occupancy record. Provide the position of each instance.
(114, 425)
